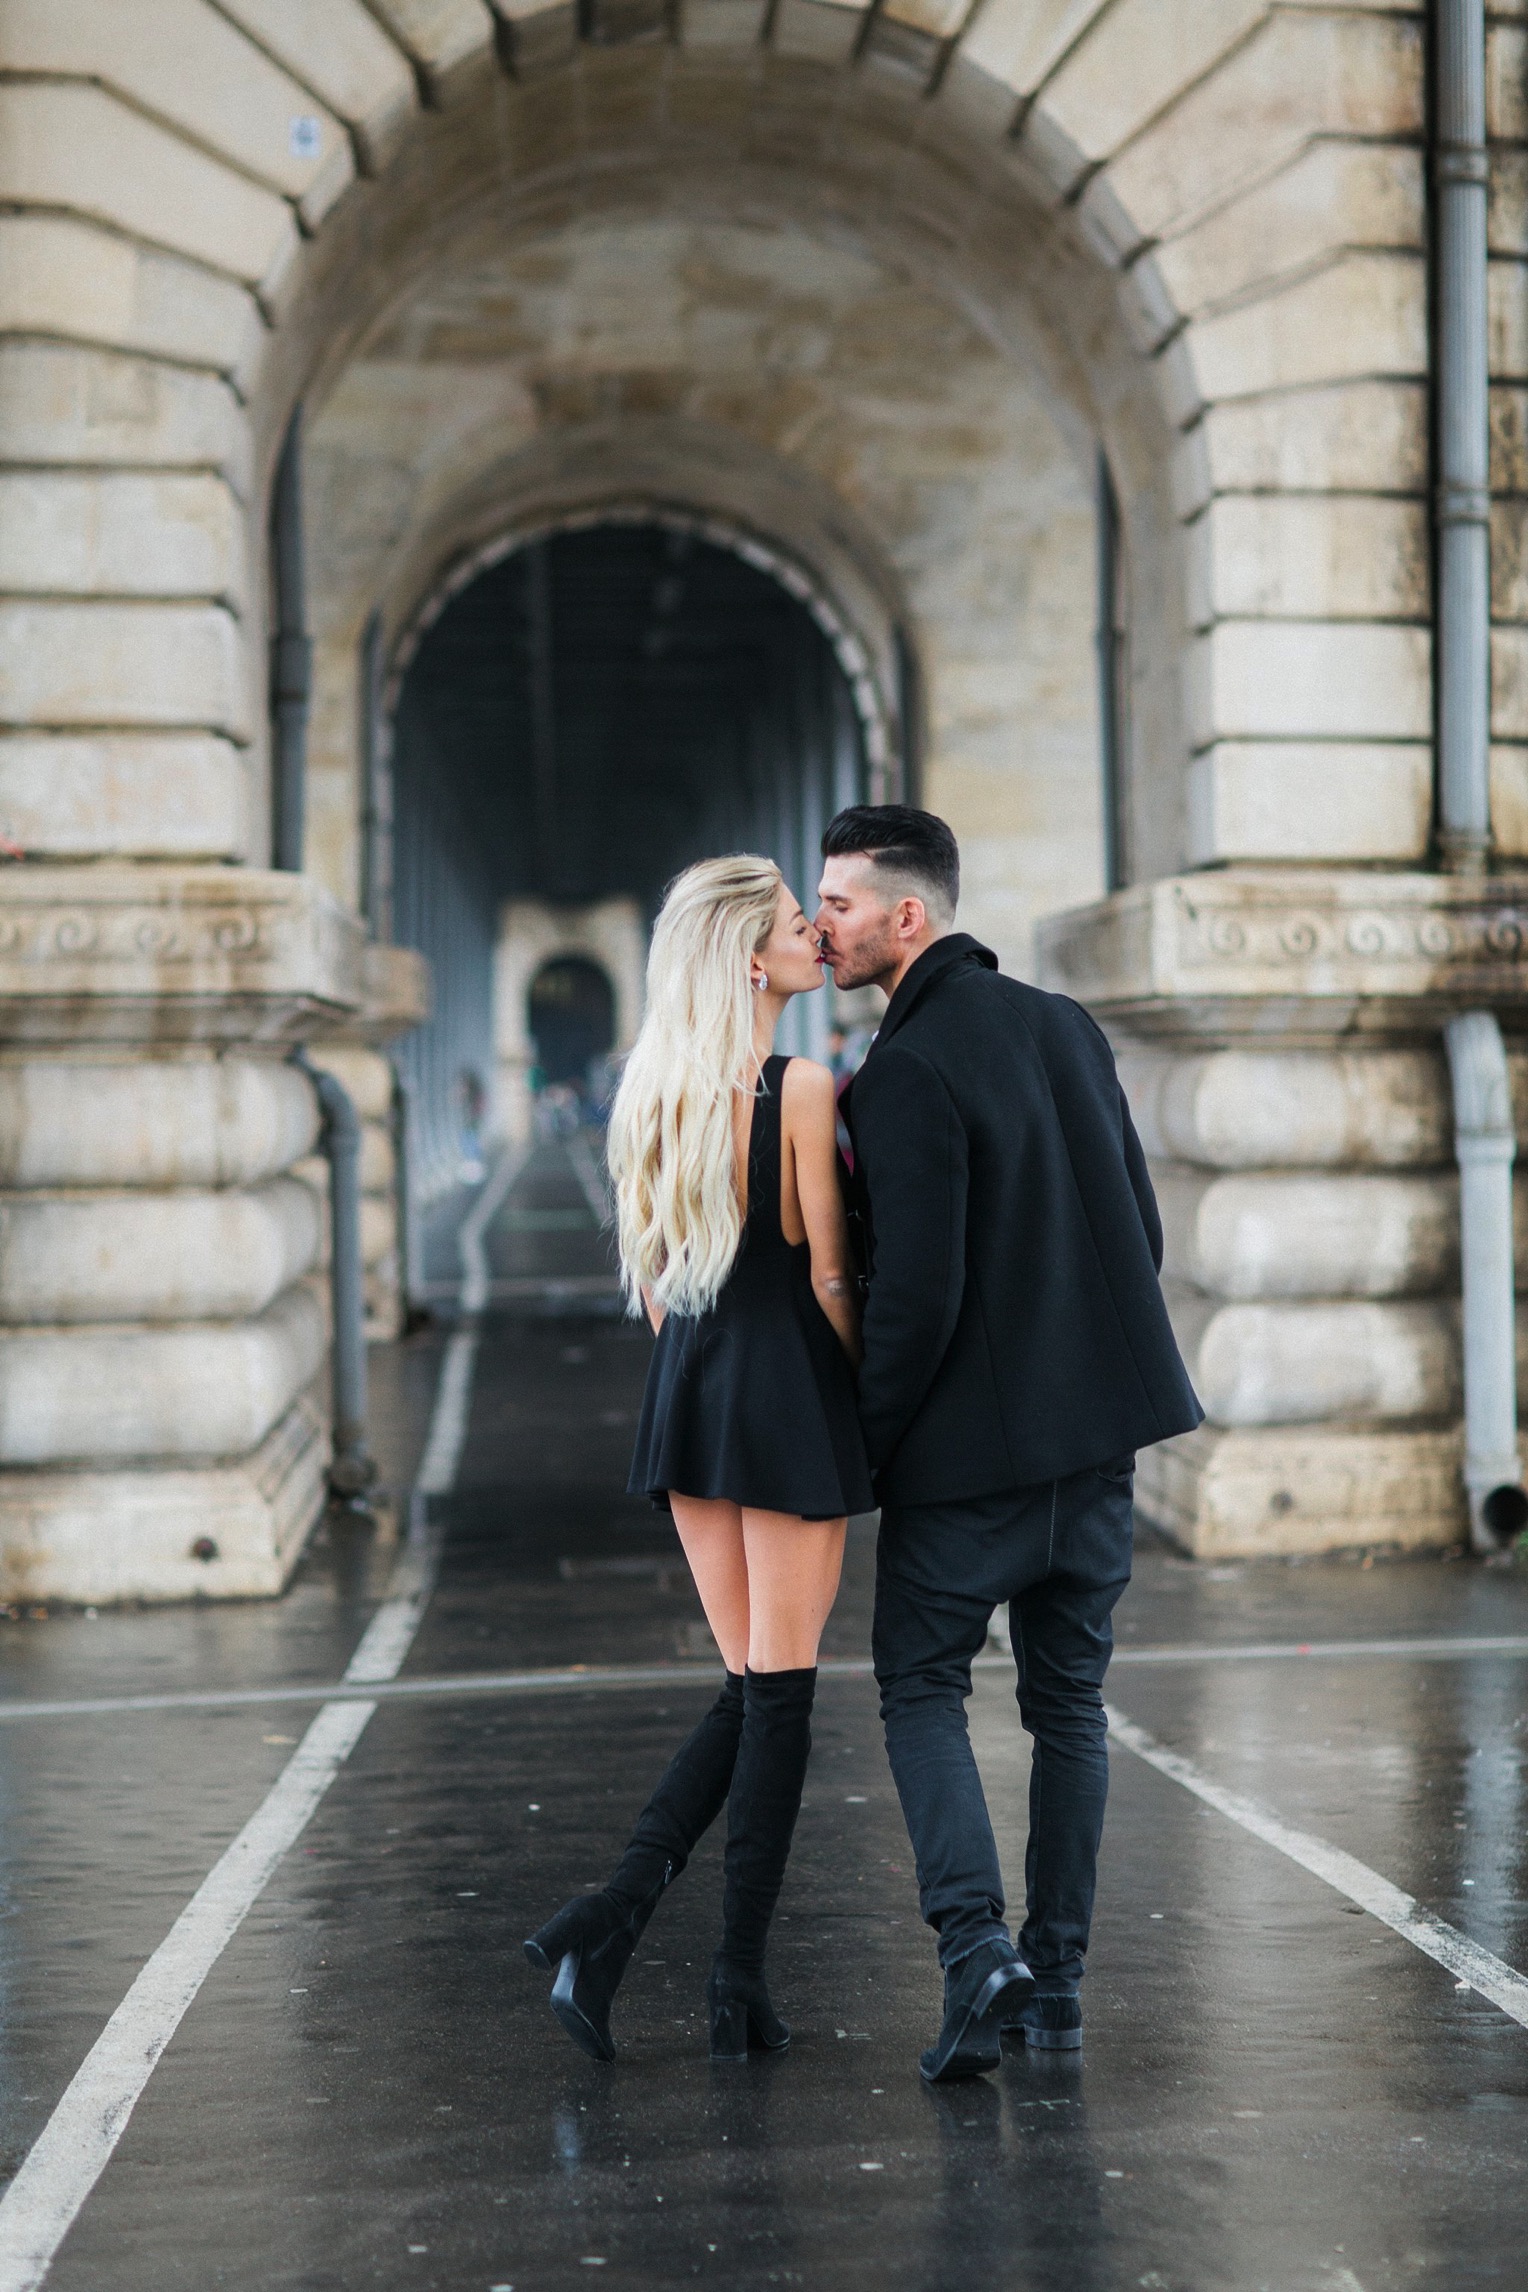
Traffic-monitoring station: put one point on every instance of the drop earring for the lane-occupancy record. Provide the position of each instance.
(761, 983)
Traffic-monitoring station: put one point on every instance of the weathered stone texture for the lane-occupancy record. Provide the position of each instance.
(1333, 195)
(343, 54)
(444, 37)
(1292, 799)
(68, 664)
(183, 62)
(122, 535)
(99, 1395)
(64, 277)
(61, 406)
(1303, 680)
(229, 1531)
(1263, 1109)
(123, 795)
(1304, 72)
(71, 146)
(99, 1256)
(109, 1121)
(1306, 558)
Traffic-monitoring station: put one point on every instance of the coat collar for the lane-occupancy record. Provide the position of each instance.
(946, 955)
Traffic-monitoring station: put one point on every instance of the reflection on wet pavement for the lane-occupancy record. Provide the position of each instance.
(1276, 2090)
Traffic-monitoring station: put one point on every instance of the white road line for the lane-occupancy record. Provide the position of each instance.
(73, 2149)
(511, 1287)
(474, 1226)
(1492, 1977)
(599, 1675)
(1430, 1649)
(448, 1421)
(75, 2146)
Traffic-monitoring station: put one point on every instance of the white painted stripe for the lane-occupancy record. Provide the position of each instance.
(1344, 1873)
(554, 1288)
(75, 2146)
(390, 1634)
(448, 1423)
(1428, 1649)
(532, 1681)
(474, 1226)
(70, 2154)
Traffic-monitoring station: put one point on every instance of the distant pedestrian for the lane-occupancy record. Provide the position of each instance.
(733, 1237)
(1017, 1352)
(472, 1105)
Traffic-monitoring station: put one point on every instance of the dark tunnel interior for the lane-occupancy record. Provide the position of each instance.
(586, 717)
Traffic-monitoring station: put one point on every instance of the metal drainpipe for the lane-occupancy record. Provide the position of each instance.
(291, 658)
(408, 1242)
(1484, 1142)
(353, 1470)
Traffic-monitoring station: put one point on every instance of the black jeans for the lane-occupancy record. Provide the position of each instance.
(1059, 1554)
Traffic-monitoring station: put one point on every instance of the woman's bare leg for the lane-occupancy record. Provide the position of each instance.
(792, 1567)
(711, 1532)
(767, 1580)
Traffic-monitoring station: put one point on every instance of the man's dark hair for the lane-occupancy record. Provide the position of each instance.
(915, 846)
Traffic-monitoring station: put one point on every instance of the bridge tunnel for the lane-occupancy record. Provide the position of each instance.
(582, 718)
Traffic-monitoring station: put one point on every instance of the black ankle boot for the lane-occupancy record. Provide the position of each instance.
(742, 2018)
(592, 1938)
(761, 1817)
(982, 1994)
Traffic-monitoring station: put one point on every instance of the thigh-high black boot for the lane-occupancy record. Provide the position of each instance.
(591, 1939)
(761, 1816)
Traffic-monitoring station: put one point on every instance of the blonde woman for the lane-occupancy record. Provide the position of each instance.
(733, 1240)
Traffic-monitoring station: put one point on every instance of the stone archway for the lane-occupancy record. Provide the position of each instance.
(1192, 237)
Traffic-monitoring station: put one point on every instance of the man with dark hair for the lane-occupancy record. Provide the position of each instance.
(1017, 1354)
(907, 847)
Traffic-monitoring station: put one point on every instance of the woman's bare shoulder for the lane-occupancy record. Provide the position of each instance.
(807, 1090)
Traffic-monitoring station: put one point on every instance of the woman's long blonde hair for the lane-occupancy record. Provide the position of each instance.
(679, 1220)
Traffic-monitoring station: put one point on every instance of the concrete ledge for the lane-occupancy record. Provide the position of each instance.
(1294, 953)
(395, 991)
(173, 954)
(1262, 1495)
(104, 1537)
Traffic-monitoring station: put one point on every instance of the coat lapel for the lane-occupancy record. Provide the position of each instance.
(932, 965)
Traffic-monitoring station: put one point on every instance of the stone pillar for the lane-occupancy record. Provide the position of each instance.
(162, 1326)
(1279, 1036)
(397, 997)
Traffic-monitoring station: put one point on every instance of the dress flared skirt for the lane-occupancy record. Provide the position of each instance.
(754, 1401)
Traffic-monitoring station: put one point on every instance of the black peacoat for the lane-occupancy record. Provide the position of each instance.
(1015, 1329)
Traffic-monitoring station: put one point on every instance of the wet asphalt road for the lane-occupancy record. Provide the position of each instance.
(1277, 2091)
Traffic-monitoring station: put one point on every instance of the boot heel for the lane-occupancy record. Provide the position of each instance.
(742, 2019)
(729, 2030)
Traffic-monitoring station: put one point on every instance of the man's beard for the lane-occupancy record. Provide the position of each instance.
(865, 965)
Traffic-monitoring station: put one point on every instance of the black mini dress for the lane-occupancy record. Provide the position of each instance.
(753, 1400)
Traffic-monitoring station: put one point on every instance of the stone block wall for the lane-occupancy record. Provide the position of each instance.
(1279, 1041)
(163, 1324)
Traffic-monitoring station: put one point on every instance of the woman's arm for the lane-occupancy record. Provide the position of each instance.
(654, 1312)
(809, 1110)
